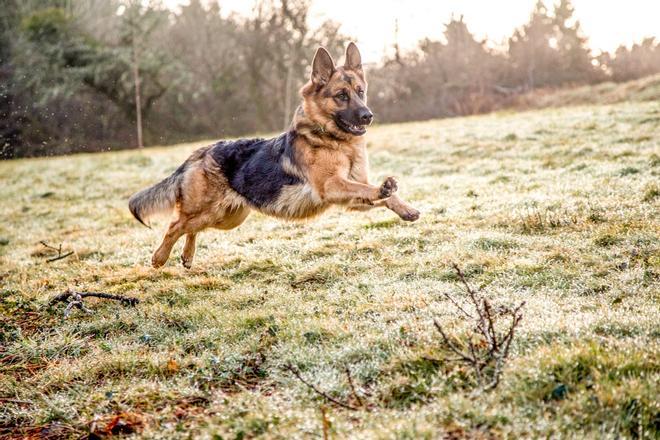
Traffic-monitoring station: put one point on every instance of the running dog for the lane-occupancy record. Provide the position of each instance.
(319, 162)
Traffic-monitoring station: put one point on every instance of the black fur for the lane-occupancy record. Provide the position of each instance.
(253, 167)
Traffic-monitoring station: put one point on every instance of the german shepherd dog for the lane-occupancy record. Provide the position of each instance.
(321, 161)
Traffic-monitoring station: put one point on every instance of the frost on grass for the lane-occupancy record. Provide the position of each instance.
(554, 217)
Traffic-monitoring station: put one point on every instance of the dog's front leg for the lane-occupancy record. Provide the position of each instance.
(403, 210)
(394, 203)
(364, 205)
(340, 190)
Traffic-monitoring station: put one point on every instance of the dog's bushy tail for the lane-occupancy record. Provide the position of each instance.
(157, 199)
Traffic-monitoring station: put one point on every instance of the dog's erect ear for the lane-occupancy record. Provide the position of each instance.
(322, 67)
(353, 58)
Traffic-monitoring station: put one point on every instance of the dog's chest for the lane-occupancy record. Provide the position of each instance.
(359, 165)
(297, 201)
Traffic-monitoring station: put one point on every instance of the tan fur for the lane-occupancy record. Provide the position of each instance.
(332, 164)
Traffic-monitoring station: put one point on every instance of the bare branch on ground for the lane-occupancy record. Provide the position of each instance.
(75, 299)
(487, 349)
(58, 249)
(293, 370)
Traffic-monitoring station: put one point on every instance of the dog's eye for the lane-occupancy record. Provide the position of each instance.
(343, 96)
(361, 94)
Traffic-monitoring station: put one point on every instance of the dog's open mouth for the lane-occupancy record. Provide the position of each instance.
(354, 129)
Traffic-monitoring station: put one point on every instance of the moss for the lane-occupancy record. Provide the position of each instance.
(413, 382)
(323, 275)
(606, 381)
(263, 269)
(627, 171)
(607, 239)
(495, 244)
(510, 137)
(384, 224)
(651, 192)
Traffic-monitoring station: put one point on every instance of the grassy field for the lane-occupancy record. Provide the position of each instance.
(556, 207)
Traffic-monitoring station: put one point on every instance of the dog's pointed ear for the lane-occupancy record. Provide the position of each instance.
(322, 67)
(353, 58)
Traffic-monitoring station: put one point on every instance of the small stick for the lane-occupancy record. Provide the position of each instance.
(326, 396)
(461, 277)
(46, 245)
(498, 345)
(15, 401)
(76, 300)
(69, 293)
(352, 385)
(325, 423)
(450, 344)
(59, 256)
(457, 305)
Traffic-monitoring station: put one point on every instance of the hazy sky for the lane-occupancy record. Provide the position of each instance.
(607, 23)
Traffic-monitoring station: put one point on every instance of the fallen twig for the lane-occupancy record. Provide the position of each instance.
(352, 385)
(488, 356)
(15, 401)
(293, 370)
(76, 300)
(59, 257)
(124, 299)
(58, 249)
(325, 423)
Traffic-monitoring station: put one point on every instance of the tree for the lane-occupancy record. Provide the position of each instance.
(550, 49)
(574, 57)
(533, 60)
(60, 59)
(137, 25)
(642, 59)
(278, 46)
(11, 121)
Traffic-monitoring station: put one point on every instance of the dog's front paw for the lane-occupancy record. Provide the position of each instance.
(388, 188)
(410, 214)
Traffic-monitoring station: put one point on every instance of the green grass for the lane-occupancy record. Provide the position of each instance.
(557, 207)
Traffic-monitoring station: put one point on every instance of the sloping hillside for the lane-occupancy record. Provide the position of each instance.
(557, 207)
(641, 90)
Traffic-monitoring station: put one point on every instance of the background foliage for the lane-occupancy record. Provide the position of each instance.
(66, 80)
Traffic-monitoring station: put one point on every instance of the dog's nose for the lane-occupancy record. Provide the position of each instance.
(366, 117)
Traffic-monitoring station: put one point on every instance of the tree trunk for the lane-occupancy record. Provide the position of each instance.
(287, 93)
(138, 104)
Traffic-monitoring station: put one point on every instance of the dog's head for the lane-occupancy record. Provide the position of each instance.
(335, 97)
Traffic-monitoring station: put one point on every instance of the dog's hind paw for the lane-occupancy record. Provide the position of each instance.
(186, 262)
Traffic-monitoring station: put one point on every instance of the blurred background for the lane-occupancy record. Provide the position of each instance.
(92, 75)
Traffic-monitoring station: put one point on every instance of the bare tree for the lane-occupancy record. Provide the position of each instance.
(138, 104)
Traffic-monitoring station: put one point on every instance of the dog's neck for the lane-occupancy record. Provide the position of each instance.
(317, 134)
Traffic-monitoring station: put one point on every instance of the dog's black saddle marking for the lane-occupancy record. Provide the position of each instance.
(253, 167)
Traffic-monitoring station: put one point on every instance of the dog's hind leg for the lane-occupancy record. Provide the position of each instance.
(174, 232)
(188, 250)
(183, 225)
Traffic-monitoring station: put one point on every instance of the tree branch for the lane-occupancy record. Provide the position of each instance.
(128, 301)
(496, 349)
(296, 373)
